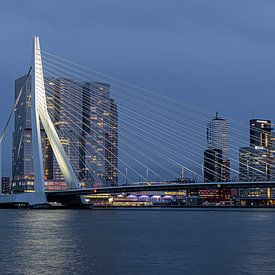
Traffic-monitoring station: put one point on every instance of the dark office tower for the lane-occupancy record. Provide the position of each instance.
(213, 165)
(260, 133)
(111, 144)
(100, 135)
(22, 155)
(260, 140)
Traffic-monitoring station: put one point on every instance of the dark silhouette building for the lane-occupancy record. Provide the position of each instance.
(213, 163)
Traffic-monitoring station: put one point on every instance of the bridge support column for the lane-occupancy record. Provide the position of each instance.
(39, 114)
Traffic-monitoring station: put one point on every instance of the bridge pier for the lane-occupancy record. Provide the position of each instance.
(69, 201)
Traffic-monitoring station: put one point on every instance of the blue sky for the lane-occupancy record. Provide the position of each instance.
(215, 54)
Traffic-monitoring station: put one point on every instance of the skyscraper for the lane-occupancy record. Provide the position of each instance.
(66, 114)
(87, 129)
(212, 165)
(22, 155)
(100, 134)
(111, 152)
(253, 164)
(260, 133)
(218, 135)
(216, 163)
(255, 160)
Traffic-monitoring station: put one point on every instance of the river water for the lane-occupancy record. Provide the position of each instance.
(137, 241)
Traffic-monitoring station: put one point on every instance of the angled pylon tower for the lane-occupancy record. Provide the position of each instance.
(39, 113)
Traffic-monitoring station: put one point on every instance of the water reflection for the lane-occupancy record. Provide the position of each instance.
(43, 242)
(137, 242)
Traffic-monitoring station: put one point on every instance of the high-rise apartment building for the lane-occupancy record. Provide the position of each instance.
(87, 125)
(100, 134)
(66, 114)
(87, 129)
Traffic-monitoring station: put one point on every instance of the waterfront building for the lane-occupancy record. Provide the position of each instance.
(216, 169)
(218, 135)
(255, 161)
(216, 162)
(91, 143)
(253, 164)
(66, 114)
(5, 185)
(260, 137)
(22, 151)
(260, 133)
(272, 156)
(100, 135)
(212, 165)
(88, 131)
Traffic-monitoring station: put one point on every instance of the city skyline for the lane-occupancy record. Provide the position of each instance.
(60, 98)
(90, 160)
(137, 137)
(238, 72)
(217, 132)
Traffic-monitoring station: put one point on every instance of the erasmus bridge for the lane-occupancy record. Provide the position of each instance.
(162, 137)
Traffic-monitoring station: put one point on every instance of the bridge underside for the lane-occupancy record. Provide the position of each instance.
(72, 200)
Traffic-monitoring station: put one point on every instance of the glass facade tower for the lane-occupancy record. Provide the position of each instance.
(22, 155)
(216, 162)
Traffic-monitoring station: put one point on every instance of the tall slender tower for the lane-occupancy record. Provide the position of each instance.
(216, 162)
(40, 115)
(100, 135)
(218, 135)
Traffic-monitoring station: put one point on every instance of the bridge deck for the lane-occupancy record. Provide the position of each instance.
(161, 187)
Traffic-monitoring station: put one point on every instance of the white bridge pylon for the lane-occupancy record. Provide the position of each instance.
(39, 113)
